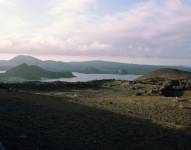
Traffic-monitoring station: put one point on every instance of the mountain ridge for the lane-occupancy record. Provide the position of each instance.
(20, 59)
(89, 67)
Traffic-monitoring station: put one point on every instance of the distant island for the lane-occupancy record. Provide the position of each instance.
(32, 72)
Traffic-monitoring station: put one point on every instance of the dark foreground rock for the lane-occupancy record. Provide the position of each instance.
(52, 86)
(34, 122)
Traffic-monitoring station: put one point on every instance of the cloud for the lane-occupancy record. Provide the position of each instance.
(60, 7)
(11, 17)
(150, 29)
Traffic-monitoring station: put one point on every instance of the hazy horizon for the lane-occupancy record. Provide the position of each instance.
(155, 32)
(77, 59)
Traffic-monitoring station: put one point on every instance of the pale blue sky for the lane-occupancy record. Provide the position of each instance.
(136, 31)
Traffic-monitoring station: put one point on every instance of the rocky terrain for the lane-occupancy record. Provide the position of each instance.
(152, 112)
(32, 121)
(166, 82)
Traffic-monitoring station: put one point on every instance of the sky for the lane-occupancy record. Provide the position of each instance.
(132, 31)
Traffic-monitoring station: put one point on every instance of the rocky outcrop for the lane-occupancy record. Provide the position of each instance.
(160, 87)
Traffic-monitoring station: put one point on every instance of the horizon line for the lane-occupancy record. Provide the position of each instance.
(92, 60)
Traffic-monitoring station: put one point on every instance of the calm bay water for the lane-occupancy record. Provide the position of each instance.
(2, 71)
(89, 77)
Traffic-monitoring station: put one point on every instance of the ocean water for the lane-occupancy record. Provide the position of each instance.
(81, 77)
(90, 77)
(1, 71)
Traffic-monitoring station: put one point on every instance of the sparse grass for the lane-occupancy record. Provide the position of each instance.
(167, 111)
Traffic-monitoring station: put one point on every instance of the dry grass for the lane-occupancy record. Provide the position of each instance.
(167, 111)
